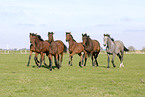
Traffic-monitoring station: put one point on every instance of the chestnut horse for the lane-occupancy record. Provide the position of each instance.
(75, 48)
(40, 46)
(32, 49)
(56, 47)
(92, 47)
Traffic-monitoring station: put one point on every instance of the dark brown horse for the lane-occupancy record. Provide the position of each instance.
(32, 49)
(56, 48)
(75, 48)
(92, 47)
(40, 46)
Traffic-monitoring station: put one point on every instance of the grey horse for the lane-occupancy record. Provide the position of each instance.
(114, 48)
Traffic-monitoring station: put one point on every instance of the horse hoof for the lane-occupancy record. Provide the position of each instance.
(114, 66)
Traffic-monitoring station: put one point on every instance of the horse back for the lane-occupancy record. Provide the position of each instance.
(60, 46)
(53, 48)
(96, 45)
(119, 45)
(79, 48)
(45, 46)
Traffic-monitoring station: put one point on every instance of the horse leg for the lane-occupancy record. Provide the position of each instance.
(41, 58)
(70, 60)
(56, 61)
(36, 60)
(50, 61)
(113, 60)
(108, 60)
(44, 59)
(92, 61)
(96, 55)
(121, 60)
(85, 58)
(61, 58)
(29, 58)
(81, 61)
(36, 54)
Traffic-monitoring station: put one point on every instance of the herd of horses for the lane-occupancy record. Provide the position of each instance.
(86, 48)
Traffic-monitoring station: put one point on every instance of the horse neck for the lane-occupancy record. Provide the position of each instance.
(38, 41)
(89, 43)
(52, 39)
(72, 42)
(110, 43)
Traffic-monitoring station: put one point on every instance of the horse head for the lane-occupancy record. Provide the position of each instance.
(106, 36)
(85, 39)
(33, 39)
(50, 36)
(68, 35)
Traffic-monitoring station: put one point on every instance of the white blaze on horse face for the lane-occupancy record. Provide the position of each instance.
(105, 40)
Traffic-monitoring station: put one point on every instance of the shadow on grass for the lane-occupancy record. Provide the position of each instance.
(46, 66)
(103, 66)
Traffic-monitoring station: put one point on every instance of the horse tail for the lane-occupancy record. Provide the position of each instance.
(65, 49)
(125, 49)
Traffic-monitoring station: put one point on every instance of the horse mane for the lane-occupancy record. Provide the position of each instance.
(109, 36)
(88, 37)
(72, 38)
(70, 35)
(40, 37)
(112, 39)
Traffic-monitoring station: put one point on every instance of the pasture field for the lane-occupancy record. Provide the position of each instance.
(18, 80)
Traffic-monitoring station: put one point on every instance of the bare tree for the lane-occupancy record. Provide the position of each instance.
(131, 48)
(143, 49)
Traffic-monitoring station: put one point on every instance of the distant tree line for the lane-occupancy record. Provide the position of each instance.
(131, 48)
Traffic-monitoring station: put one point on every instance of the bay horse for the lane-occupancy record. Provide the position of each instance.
(56, 47)
(32, 49)
(92, 47)
(114, 48)
(75, 48)
(40, 46)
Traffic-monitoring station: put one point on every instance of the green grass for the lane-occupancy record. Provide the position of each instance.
(18, 80)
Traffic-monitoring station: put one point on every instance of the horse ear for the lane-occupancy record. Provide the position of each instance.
(82, 34)
(48, 33)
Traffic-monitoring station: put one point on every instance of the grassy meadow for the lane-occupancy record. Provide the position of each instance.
(18, 80)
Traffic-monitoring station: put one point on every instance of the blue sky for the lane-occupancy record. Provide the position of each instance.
(122, 19)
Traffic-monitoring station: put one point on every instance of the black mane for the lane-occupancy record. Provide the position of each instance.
(70, 35)
(40, 37)
(109, 36)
